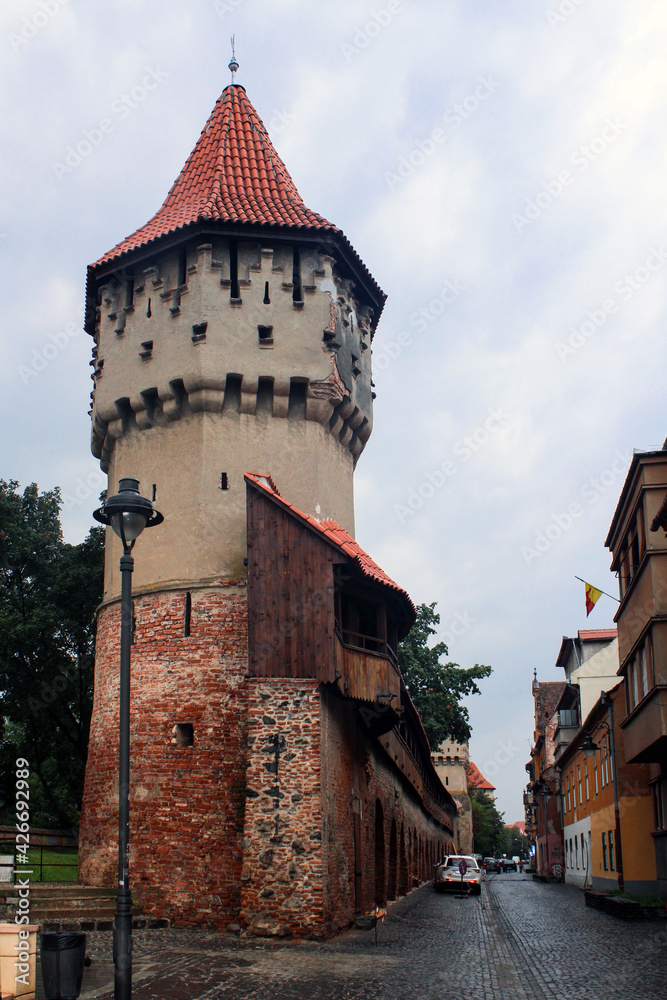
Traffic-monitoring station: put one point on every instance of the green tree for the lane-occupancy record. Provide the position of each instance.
(517, 843)
(436, 688)
(488, 827)
(49, 591)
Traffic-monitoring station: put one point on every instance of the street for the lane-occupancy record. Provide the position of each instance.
(521, 940)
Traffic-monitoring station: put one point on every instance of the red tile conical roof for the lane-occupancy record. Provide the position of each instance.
(233, 175)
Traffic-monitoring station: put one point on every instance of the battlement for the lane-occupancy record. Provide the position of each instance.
(231, 326)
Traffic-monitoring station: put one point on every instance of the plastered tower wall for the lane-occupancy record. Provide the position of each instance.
(189, 396)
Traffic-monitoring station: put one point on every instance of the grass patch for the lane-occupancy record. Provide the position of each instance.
(56, 865)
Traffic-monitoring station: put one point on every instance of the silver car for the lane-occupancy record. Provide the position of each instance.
(457, 872)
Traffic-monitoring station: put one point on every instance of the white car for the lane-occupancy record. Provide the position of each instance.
(448, 875)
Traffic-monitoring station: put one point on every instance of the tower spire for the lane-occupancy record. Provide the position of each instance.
(233, 64)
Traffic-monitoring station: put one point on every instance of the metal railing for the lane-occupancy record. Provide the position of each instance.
(34, 868)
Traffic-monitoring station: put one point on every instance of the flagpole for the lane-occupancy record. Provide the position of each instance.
(585, 582)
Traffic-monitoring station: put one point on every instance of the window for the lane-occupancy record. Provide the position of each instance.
(567, 787)
(265, 336)
(583, 853)
(604, 852)
(576, 851)
(611, 850)
(595, 775)
(579, 783)
(659, 790)
(586, 780)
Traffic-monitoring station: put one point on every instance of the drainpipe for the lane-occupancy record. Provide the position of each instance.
(617, 811)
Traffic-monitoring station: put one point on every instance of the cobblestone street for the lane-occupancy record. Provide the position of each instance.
(521, 940)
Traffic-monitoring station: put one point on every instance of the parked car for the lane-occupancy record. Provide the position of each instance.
(491, 865)
(507, 864)
(447, 877)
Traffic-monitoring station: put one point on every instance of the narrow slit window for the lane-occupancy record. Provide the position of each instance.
(265, 336)
(234, 270)
(187, 614)
(154, 492)
(224, 482)
(266, 300)
(129, 292)
(148, 310)
(296, 276)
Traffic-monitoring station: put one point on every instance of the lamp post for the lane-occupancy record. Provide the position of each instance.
(128, 513)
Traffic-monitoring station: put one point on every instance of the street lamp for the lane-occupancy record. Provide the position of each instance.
(128, 513)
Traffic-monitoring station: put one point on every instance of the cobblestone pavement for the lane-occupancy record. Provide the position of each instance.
(521, 940)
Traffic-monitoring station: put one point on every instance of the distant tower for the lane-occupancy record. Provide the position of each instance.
(232, 332)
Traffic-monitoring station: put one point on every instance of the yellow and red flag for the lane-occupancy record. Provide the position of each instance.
(593, 595)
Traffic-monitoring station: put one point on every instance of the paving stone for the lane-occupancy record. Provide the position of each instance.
(521, 940)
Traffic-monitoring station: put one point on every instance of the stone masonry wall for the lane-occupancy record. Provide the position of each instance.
(186, 802)
(282, 877)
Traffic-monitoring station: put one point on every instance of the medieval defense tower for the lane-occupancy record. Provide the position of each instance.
(233, 336)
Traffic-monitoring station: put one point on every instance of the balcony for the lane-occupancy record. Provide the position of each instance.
(567, 729)
(645, 729)
(369, 674)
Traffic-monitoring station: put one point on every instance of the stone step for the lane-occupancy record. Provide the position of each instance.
(49, 890)
(101, 924)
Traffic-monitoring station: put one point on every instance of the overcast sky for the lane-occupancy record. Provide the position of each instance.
(500, 167)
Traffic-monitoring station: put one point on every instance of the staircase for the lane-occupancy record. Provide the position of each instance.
(69, 907)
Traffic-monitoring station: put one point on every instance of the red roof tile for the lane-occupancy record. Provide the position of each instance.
(597, 633)
(232, 175)
(335, 534)
(477, 780)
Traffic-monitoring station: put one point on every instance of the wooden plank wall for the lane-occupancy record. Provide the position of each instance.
(290, 595)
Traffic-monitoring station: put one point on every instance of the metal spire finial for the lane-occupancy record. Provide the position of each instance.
(233, 65)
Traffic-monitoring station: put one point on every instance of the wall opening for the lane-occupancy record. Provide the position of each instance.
(296, 276)
(234, 270)
(296, 406)
(184, 734)
(187, 614)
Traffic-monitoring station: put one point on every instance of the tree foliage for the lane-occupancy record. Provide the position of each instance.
(437, 688)
(488, 827)
(49, 591)
(517, 843)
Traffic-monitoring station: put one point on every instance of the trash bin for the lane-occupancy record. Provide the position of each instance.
(18, 947)
(62, 954)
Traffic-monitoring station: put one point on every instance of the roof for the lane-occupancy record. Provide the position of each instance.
(477, 780)
(233, 174)
(336, 536)
(549, 695)
(597, 634)
(584, 635)
(637, 458)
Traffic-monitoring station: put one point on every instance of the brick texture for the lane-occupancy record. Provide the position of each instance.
(283, 817)
(186, 803)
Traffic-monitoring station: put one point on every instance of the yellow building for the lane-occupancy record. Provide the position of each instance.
(606, 802)
(638, 543)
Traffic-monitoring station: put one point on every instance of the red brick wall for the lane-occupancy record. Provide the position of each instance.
(220, 834)
(186, 804)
